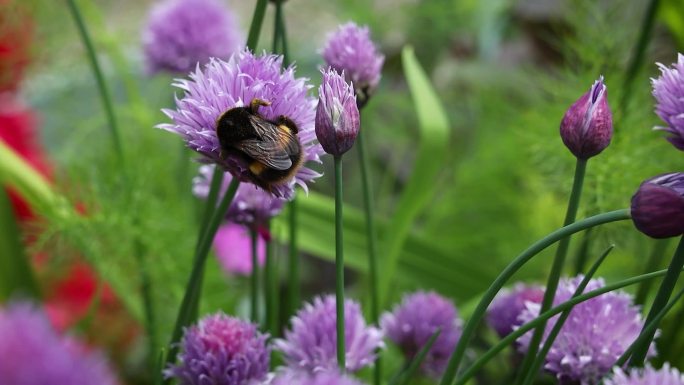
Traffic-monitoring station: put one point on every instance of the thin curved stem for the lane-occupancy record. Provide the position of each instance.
(556, 268)
(254, 294)
(509, 339)
(507, 273)
(257, 21)
(539, 360)
(105, 95)
(339, 265)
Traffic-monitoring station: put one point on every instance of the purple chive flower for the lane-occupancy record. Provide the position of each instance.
(350, 50)
(594, 336)
(221, 350)
(504, 311)
(181, 33)
(311, 343)
(337, 116)
(658, 206)
(233, 246)
(646, 376)
(32, 353)
(220, 86)
(668, 90)
(411, 324)
(587, 127)
(298, 377)
(251, 206)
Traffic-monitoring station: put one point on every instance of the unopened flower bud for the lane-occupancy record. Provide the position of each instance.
(587, 127)
(658, 206)
(337, 116)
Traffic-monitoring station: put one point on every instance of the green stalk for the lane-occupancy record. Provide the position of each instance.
(650, 327)
(638, 55)
(507, 273)
(660, 301)
(254, 295)
(270, 289)
(583, 253)
(255, 27)
(509, 339)
(556, 268)
(293, 284)
(418, 359)
(370, 242)
(339, 264)
(210, 204)
(539, 360)
(16, 274)
(99, 78)
(190, 304)
(148, 306)
(654, 260)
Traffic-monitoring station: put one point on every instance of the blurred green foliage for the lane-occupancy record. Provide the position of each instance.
(504, 70)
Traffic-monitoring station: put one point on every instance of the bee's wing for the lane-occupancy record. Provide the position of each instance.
(275, 147)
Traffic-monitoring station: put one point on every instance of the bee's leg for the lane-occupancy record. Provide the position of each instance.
(256, 103)
(287, 122)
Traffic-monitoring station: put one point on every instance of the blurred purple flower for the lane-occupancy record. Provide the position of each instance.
(351, 50)
(298, 377)
(658, 206)
(32, 353)
(593, 337)
(411, 324)
(646, 376)
(587, 126)
(221, 350)
(337, 116)
(182, 33)
(668, 90)
(504, 311)
(233, 245)
(311, 344)
(220, 86)
(251, 206)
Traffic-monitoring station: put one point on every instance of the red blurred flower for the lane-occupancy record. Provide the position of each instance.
(16, 34)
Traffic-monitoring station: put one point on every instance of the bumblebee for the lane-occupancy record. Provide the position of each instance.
(271, 148)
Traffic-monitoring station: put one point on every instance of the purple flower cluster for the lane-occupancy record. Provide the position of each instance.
(350, 50)
(337, 116)
(182, 33)
(668, 90)
(222, 85)
(658, 206)
(32, 353)
(411, 324)
(504, 311)
(593, 337)
(311, 343)
(251, 206)
(647, 376)
(298, 377)
(221, 350)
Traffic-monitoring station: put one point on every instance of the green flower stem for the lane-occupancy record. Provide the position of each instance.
(654, 260)
(16, 274)
(255, 27)
(210, 204)
(638, 54)
(583, 253)
(556, 268)
(660, 301)
(370, 242)
(419, 358)
(189, 307)
(512, 268)
(293, 276)
(339, 265)
(148, 305)
(254, 294)
(539, 360)
(271, 289)
(101, 83)
(650, 327)
(509, 339)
